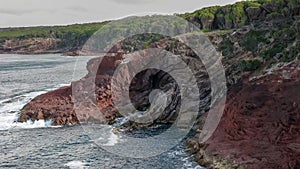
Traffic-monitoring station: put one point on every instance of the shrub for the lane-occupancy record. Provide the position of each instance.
(226, 47)
(251, 65)
(271, 53)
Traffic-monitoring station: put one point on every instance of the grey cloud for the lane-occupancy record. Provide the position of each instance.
(17, 12)
(77, 9)
(133, 1)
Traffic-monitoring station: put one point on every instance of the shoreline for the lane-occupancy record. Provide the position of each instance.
(63, 53)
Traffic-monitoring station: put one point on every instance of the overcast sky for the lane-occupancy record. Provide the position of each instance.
(57, 12)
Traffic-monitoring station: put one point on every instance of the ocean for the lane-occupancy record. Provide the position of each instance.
(40, 145)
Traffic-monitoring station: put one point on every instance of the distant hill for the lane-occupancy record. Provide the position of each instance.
(46, 39)
(61, 39)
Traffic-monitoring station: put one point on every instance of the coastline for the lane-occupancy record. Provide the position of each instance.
(260, 126)
(62, 52)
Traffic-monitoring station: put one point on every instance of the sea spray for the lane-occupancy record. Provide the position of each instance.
(10, 109)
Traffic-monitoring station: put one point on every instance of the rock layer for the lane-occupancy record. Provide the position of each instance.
(31, 46)
(260, 125)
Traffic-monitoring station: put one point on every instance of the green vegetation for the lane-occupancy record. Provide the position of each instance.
(139, 25)
(251, 65)
(208, 12)
(293, 3)
(50, 31)
(140, 42)
(291, 53)
(233, 14)
(282, 44)
(271, 53)
(206, 30)
(71, 35)
(237, 9)
(252, 40)
(281, 7)
(221, 20)
(226, 47)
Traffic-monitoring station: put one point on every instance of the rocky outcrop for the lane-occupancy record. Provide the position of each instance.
(260, 125)
(101, 107)
(56, 106)
(31, 46)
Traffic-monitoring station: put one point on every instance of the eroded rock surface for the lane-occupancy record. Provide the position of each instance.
(260, 125)
(56, 105)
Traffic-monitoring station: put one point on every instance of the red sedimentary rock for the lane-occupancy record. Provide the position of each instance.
(260, 127)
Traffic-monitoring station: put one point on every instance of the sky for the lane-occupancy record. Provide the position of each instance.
(19, 13)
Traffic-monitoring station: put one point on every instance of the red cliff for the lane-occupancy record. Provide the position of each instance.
(260, 125)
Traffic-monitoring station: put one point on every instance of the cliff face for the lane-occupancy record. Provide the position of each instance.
(58, 105)
(260, 124)
(31, 46)
(55, 106)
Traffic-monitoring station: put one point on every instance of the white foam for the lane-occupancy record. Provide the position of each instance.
(106, 136)
(34, 124)
(188, 162)
(77, 165)
(112, 140)
(10, 108)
